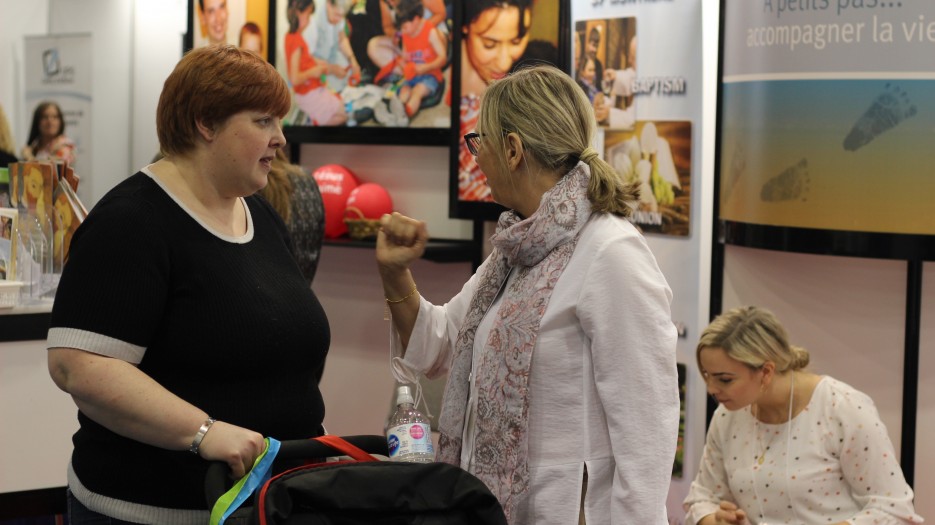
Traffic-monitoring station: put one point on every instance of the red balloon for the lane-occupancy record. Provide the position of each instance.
(336, 184)
(371, 199)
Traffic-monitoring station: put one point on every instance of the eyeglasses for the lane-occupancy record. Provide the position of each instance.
(473, 142)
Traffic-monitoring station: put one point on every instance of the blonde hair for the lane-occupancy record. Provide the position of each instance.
(753, 336)
(6, 136)
(278, 190)
(554, 119)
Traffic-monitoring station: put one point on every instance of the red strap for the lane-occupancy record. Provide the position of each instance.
(346, 448)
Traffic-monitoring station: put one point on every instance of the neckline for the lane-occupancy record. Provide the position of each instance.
(821, 381)
(234, 239)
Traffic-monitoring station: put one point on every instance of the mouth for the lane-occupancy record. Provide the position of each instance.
(267, 163)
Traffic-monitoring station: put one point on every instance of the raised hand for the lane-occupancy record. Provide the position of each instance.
(400, 241)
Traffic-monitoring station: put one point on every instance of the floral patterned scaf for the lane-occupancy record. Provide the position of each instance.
(538, 248)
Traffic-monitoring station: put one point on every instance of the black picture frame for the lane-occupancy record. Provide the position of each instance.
(259, 12)
(462, 208)
(370, 131)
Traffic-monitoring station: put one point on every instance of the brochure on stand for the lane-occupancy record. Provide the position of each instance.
(8, 226)
(48, 213)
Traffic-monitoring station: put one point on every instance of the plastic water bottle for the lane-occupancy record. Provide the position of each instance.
(408, 433)
(349, 109)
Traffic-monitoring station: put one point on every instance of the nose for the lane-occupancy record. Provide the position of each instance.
(711, 388)
(504, 60)
(279, 140)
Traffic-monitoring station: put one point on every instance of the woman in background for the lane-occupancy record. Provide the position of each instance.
(786, 445)
(47, 139)
(295, 195)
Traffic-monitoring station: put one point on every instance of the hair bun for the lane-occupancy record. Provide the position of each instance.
(800, 357)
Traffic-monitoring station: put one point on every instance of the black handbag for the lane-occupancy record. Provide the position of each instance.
(359, 489)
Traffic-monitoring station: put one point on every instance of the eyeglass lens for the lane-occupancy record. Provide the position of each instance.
(473, 142)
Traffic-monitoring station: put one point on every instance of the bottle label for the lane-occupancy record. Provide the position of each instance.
(412, 438)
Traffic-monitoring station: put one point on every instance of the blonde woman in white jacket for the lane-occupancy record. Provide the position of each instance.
(560, 351)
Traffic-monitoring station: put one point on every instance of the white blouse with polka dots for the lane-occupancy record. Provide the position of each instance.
(834, 462)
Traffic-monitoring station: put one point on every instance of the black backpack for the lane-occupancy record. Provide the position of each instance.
(361, 490)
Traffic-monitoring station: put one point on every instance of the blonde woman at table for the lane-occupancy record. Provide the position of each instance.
(787, 445)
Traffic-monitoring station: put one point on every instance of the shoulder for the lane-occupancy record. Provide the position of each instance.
(607, 234)
(261, 207)
(129, 194)
(132, 214)
(264, 213)
(129, 203)
(840, 400)
(835, 388)
(62, 142)
(724, 421)
(606, 225)
(612, 256)
(304, 182)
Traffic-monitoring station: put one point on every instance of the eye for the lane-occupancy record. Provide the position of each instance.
(725, 380)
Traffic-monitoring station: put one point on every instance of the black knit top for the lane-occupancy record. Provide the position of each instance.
(228, 324)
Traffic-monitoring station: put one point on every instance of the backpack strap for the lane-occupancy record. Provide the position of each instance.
(259, 473)
(345, 447)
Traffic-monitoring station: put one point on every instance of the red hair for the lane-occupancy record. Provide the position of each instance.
(209, 85)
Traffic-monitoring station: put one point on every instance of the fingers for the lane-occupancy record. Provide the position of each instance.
(403, 231)
(728, 505)
(236, 446)
(729, 513)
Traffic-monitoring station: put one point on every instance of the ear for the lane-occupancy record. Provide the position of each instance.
(514, 151)
(206, 132)
(769, 371)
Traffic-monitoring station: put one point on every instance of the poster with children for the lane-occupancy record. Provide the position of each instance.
(378, 63)
(243, 23)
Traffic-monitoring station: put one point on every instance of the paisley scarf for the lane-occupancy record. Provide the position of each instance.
(538, 249)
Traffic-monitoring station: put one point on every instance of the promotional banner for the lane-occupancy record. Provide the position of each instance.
(58, 69)
(827, 115)
(640, 65)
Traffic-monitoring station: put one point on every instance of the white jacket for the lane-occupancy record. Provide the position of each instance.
(603, 390)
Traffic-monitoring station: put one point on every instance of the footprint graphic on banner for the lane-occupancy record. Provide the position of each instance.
(887, 110)
(793, 183)
(736, 169)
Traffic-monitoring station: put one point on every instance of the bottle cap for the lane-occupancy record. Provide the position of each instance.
(403, 395)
